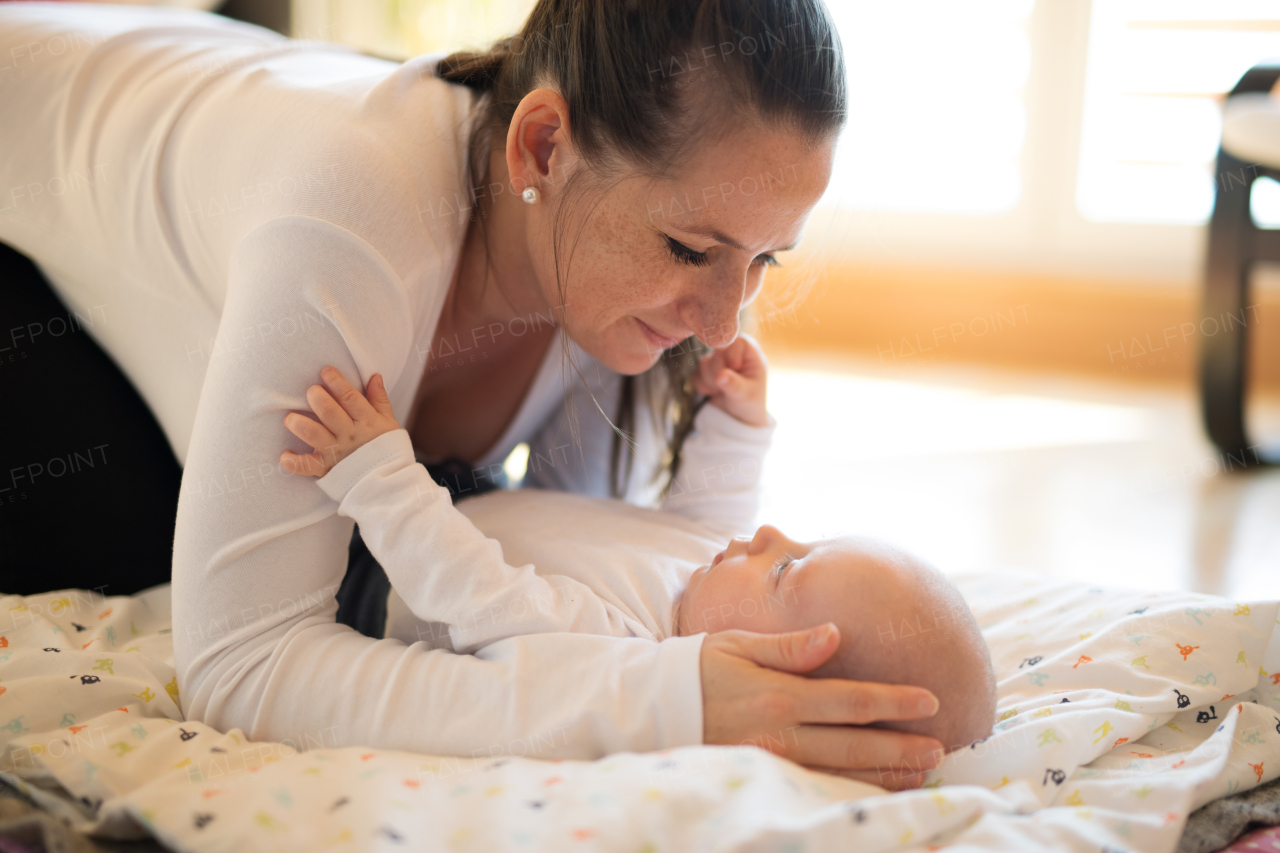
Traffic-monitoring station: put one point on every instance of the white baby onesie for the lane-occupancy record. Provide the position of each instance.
(585, 565)
(611, 567)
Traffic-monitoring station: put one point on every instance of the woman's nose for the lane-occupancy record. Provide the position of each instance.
(712, 314)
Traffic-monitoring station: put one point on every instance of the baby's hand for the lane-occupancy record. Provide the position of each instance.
(735, 378)
(342, 428)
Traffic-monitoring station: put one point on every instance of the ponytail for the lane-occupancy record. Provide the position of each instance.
(478, 71)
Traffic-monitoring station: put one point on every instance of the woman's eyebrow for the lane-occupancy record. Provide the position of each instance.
(714, 234)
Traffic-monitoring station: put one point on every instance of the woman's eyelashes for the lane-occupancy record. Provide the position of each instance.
(685, 255)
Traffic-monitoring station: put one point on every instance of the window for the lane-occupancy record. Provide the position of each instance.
(1264, 203)
(409, 27)
(1063, 137)
(936, 115)
(1151, 120)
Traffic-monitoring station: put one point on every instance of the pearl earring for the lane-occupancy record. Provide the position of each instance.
(530, 195)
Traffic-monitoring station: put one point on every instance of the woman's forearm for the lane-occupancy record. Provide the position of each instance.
(566, 696)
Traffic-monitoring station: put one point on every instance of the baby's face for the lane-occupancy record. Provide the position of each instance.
(900, 620)
(768, 583)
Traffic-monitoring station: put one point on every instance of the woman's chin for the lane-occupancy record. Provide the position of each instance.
(622, 346)
(629, 361)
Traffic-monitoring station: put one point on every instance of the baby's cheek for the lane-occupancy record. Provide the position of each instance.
(762, 614)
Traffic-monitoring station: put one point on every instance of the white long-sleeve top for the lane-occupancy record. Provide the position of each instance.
(448, 573)
(631, 564)
(229, 211)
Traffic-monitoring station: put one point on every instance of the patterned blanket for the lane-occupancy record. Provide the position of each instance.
(1120, 713)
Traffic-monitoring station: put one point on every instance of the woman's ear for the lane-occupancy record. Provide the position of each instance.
(539, 148)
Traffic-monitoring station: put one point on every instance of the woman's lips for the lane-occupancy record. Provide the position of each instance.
(658, 340)
(717, 558)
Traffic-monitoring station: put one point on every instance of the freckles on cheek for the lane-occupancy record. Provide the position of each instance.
(618, 282)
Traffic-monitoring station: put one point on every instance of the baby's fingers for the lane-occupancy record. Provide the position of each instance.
(704, 377)
(702, 386)
(733, 383)
(312, 464)
(354, 404)
(309, 431)
(327, 409)
(746, 356)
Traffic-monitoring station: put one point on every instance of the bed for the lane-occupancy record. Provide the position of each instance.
(1120, 713)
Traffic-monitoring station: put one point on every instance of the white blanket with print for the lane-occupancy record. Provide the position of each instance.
(1120, 713)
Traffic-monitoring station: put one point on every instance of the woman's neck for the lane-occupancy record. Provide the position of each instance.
(504, 285)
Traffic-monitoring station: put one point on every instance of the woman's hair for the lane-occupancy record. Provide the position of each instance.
(628, 70)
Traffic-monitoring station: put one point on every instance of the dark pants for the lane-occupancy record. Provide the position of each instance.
(362, 598)
(88, 484)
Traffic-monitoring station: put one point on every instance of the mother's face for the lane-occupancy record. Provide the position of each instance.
(656, 261)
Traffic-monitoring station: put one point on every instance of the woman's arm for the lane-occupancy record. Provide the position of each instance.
(569, 696)
(259, 554)
(445, 570)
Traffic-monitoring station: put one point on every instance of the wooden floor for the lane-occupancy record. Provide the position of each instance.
(974, 469)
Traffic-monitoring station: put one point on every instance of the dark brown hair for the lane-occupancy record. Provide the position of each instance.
(624, 69)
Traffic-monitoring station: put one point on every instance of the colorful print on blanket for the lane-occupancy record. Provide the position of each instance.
(1122, 712)
(68, 656)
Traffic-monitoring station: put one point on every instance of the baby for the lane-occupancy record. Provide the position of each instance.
(591, 565)
(900, 620)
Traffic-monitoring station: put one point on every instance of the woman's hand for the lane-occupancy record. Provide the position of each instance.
(750, 697)
(735, 378)
(346, 423)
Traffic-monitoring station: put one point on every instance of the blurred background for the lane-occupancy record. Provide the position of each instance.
(997, 151)
(1034, 178)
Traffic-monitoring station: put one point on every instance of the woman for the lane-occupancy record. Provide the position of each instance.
(254, 209)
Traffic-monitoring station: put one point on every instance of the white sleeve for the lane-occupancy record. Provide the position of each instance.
(718, 484)
(446, 570)
(259, 554)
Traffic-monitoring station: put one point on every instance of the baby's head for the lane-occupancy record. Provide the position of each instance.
(900, 620)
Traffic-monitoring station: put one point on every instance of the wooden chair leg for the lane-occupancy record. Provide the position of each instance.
(1234, 245)
(1224, 354)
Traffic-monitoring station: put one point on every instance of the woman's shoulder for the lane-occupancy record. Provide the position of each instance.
(421, 126)
(373, 147)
